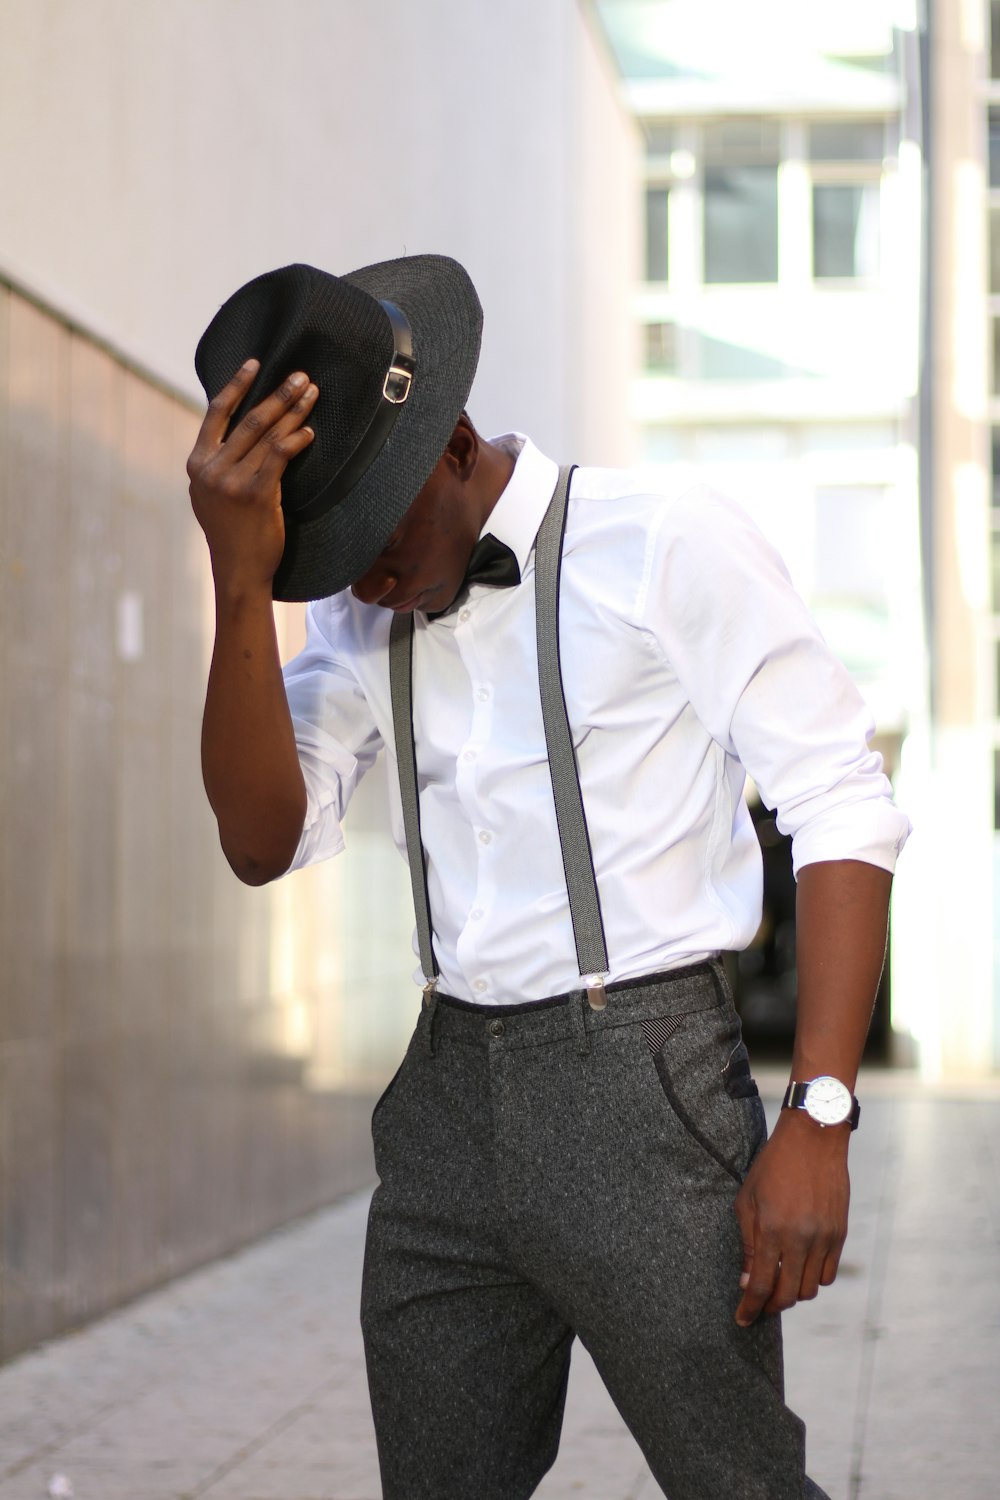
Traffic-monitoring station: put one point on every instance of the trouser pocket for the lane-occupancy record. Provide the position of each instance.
(703, 1071)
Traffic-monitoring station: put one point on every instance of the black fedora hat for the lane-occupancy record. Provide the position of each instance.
(393, 349)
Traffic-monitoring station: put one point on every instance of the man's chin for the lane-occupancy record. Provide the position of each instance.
(437, 601)
(426, 602)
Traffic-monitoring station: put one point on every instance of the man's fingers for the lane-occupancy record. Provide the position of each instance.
(291, 421)
(761, 1277)
(788, 1286)
(221, 408)
(831, 1264)
(812, 1276)
(259, 421)
(280, 453)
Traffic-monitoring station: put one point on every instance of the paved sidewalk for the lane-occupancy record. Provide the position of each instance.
(245, 1381)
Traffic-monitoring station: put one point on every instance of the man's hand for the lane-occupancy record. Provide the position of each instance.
(792, 1209)
(236, 478)
(792, 1213)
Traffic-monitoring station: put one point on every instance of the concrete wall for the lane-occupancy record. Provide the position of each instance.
(159, 1097)
(185, 1063)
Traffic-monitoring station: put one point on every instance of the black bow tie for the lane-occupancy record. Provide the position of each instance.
(491, 563)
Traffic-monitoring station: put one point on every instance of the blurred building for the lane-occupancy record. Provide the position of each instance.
(185, 1063)
(813, 314)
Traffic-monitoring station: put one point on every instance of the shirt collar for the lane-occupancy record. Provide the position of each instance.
(520, 510)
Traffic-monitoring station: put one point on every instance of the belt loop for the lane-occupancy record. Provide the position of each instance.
(430, 1016)
(720, 980)
(582, 1010)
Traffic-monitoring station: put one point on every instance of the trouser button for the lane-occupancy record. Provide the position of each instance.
(496, 1028)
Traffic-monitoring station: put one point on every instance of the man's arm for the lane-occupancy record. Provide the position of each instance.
(792, 1208)
(249, 761)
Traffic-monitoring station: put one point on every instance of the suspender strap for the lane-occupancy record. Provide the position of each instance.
(401, 695)
(574, 840)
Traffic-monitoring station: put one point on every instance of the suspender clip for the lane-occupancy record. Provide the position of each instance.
(430, 987)
(597, 995)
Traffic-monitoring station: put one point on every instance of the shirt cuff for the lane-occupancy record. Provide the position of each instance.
(871, 831)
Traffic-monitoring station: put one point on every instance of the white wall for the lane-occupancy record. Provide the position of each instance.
(153, 157)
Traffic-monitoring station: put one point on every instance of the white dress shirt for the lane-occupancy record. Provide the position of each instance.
(686, 655)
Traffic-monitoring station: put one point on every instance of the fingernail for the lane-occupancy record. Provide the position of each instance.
(297, 379)
(251, 364)
(309, 430)
(744, 1280)
(743, 1322)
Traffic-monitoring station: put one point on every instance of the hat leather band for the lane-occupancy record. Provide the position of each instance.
(395, 389)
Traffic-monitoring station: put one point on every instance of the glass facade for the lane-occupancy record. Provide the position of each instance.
(741, 224)
(657, 234)
(845, 226)
(730, 174)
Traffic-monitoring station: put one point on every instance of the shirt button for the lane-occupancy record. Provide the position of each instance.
(465, 614)
(479, 985)
(496, 1028)
(469, 755)
(485, 837)
(483, 694)
(476, 915)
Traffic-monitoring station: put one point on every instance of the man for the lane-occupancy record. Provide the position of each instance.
(573, 1145)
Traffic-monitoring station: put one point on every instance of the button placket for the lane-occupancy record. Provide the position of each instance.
(472, 760)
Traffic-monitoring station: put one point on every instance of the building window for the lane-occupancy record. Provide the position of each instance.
(657, 241)
(995, 250)
(845, 229)
(660, 138)
(847, 140)
(741, 224)
(661, 348)
(846, 159)
(741, 201)
(994, 146)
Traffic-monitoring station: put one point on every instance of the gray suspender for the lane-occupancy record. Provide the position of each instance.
(574, 840)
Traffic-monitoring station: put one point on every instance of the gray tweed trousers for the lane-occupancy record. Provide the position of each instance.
(550, 1172)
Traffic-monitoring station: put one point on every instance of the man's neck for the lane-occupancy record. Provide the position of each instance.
(493, 474)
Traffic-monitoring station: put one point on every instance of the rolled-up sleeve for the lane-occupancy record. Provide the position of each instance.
(766, 686)
(335, 735)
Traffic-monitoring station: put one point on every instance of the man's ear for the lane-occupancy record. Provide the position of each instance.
(463, 448)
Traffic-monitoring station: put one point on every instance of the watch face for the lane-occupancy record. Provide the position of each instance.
(828, 1101)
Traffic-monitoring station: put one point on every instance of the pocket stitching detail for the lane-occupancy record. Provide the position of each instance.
(686, 1120)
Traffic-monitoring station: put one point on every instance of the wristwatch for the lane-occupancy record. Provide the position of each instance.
(825, 1099)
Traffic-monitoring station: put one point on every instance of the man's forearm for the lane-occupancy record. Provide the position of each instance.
(793, 1206)
(249, 759)
(842, 909)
